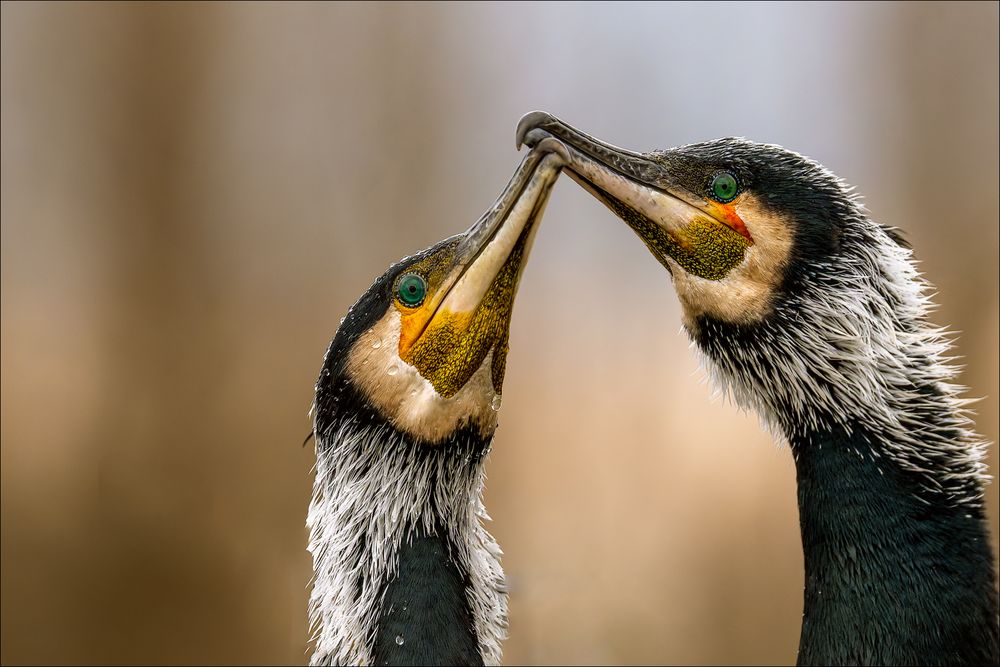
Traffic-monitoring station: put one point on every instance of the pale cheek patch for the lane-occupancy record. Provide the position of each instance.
(746, 294)
(409, 401)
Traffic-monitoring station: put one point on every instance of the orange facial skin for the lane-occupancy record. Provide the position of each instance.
(726, 214)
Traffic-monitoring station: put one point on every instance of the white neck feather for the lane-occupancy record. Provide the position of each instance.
(852, 348)
(375, 488)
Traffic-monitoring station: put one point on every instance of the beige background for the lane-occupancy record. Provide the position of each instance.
(193, 195)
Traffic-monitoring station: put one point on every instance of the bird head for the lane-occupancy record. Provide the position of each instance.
(807, 310)
(732, 220)
(426, 346)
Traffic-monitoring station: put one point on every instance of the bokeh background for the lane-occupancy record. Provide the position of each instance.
(193, 195)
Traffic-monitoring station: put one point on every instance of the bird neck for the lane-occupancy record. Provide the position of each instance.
(404, 570)
(890, 578)
(890, 471)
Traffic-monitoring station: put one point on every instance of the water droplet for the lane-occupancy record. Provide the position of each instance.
(495, 403)
(413, 392)
(342, 319)
(392, 370)
(399, 640)
(377, 343)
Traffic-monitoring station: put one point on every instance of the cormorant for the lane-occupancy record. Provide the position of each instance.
(814, 315)
(405, 412)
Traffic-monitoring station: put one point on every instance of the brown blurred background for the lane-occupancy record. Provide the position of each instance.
(193, 195)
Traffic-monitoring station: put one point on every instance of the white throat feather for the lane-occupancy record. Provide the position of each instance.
(850, 346)
(375, 488)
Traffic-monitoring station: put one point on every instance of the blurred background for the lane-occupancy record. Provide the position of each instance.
(193, 195)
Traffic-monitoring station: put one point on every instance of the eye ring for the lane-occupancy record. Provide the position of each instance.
(724, 187)
(411, 290)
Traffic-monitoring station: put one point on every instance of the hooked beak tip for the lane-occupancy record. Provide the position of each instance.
(530, 121)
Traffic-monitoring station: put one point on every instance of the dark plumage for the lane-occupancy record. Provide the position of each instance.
(428, 594)
(814, 315)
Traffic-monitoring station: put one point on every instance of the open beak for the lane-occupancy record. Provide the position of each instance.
(635, 186)
(481, 281)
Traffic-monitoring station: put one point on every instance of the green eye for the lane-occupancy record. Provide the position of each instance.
(724, 186)
(411, 290)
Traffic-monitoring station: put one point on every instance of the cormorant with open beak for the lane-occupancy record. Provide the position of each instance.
(814, 315)
(405, 412)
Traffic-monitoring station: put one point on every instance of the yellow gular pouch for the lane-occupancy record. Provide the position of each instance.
(453, 346)
(704, 247)
(708, 248)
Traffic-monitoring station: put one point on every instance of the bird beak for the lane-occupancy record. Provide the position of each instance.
(490, 257)
(636, 187)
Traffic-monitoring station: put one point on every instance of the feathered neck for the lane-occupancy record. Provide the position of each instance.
(375, 491)
(898, 565)
(848, 346)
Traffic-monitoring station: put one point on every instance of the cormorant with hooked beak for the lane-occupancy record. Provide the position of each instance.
(813, 315)
(405, 411)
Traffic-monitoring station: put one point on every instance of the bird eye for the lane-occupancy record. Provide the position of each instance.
(724, 186)
(411, 290)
